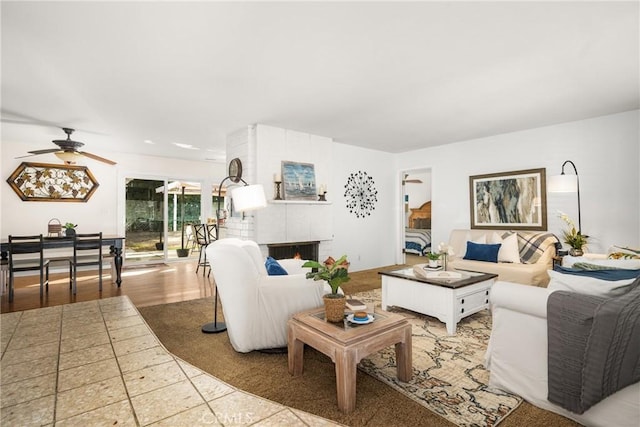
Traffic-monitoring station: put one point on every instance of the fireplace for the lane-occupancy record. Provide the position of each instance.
(303, 250)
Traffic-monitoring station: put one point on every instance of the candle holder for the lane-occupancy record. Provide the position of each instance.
(278, 196)
(321, 197)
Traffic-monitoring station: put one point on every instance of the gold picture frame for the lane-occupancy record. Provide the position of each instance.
(42, 182)
(509, 200)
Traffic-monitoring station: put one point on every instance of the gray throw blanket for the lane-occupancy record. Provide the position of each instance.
(594, 346)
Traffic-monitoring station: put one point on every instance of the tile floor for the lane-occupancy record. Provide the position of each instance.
(98, 363)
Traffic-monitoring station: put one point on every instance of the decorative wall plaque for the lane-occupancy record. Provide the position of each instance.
(41, 182)
(361, 194)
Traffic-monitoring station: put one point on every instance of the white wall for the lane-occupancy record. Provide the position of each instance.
(369, 241)
(605, 151)
(104, 209)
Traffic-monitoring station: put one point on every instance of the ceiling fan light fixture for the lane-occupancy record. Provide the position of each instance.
(68, 157)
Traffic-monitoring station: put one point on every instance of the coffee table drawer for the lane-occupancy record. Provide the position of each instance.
(472, 303)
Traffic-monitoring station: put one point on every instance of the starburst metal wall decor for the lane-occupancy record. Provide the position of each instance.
(361, 194)
(41, 182)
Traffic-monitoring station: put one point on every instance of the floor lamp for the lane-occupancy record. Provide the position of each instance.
(566, 184)
(245, 198)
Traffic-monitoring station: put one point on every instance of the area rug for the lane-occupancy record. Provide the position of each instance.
(448, 374)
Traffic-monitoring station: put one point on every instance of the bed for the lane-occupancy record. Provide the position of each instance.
(417, 236)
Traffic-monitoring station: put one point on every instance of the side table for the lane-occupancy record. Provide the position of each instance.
(347, 344)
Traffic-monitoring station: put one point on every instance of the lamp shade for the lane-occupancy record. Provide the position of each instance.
(248, 197)
(562, 183)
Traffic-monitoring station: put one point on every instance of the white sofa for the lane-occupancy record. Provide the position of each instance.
(257, 306)
(517, 357)
(527, 274)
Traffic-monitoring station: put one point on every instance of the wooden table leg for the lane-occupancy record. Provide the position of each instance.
(295, 352)
(346, 380)
(404, 356)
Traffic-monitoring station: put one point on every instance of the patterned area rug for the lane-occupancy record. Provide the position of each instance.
(448, 373)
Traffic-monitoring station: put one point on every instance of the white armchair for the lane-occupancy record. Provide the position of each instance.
(517, 357)
(257, 306)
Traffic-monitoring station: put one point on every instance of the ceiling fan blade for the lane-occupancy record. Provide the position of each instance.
(27, 155)
(38, 152)
(98, 158)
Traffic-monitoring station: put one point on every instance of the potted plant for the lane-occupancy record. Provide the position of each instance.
(70, 229)
(433, 259)
(335, 273)
(573, 237)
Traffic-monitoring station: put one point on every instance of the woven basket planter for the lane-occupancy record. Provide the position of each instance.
(334, 307)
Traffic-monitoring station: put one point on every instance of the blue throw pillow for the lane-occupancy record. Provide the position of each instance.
(480, 252)
(608, 274)
(274, 268)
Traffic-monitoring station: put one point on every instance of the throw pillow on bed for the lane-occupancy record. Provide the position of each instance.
(480, 252)
(274, 268)
(605, 283)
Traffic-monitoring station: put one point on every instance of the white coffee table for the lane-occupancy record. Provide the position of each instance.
(449, 300)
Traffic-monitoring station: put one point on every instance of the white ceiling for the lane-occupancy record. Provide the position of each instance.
(389, 76)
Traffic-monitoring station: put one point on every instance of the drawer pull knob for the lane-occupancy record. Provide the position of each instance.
(462, 301)
(462, 310)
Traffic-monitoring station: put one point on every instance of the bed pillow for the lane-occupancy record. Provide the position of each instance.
(274, 268)
(480, 252)
(509, 251)
(608, 283)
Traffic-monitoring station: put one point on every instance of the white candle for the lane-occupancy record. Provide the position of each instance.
(277, 177)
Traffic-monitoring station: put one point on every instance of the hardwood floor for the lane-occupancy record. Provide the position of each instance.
(144, 285)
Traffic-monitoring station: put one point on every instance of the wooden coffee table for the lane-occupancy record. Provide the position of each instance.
(447, 299)
(346, 344)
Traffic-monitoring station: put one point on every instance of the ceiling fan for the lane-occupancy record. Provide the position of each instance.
(411, 181)
(67, 150)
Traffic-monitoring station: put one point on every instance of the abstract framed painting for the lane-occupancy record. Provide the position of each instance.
(299, 180)
(509, 200)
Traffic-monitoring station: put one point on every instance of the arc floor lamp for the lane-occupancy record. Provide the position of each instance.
(245, 198)
(566, 184)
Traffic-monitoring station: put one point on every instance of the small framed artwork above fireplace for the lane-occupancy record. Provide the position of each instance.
(299, 181)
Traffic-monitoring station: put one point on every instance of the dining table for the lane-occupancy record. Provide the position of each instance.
(114, 242)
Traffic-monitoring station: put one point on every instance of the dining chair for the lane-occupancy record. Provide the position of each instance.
(21, 258)
(202, 240)
(212, 236)
(87, 251)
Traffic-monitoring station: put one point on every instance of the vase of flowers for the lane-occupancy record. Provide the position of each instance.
(334, 273)
(445, 252)
(433, 259)
(573, 237)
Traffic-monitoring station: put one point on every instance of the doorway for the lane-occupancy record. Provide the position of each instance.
(158, 218)
(416, 213)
